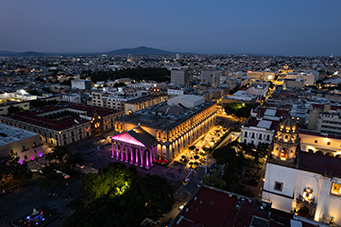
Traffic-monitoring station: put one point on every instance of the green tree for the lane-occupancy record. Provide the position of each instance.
(14, 109)
(74, 159)
(59, 153)
(229, 157)
(49, 173)
(157, 194)
(11, 167)
(44, 184)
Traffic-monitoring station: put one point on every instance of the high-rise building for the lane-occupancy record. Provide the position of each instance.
(179, 77)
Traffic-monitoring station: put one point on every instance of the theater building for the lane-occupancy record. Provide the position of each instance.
(174, 125)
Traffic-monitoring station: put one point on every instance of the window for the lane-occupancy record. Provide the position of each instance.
(315, 141)
(336, 189)
(328, 143)
(278, 186)
(260, 136)
(246, 135)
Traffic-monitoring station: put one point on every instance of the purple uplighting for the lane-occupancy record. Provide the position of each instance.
(32, 158)
(125, 137)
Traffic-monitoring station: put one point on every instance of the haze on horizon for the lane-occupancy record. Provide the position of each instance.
(204, 27)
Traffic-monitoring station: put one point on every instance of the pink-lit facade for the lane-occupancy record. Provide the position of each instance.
(130, 150)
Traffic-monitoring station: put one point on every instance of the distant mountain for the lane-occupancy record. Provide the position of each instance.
(23, 54)
(6, 53)
(142, 50)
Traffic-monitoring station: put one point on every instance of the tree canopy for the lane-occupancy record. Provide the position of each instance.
(119, 196)
(228, 156)
(239, 110)
(10, 167)
(138, 74)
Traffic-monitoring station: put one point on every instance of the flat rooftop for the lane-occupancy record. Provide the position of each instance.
(10, 134)
(164, 116)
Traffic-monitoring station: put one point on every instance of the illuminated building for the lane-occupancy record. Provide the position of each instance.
(261, 75)
(20, 143)
(306, 184)
(260, 126)
(285, 70)
(64, 123)
(174, 124)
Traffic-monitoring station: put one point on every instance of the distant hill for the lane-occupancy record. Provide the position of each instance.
(6, 53)
(22, 54)
(142, 50)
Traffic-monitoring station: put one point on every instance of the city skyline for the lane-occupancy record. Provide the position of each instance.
(240, 27)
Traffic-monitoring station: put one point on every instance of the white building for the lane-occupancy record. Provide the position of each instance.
(114, 100)
(302, 183)
(175, 92)
(309, 77)
(261, 125)
(19, 142)
(81, 84)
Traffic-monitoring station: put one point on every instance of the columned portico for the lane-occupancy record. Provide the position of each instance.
(130, 145)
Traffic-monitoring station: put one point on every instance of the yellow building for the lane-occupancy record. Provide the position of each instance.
(175, 124)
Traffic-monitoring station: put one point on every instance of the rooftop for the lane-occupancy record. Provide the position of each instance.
(164, 116)
(10, 134)
(61, 116)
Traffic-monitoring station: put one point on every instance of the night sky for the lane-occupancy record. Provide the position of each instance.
(291, 27)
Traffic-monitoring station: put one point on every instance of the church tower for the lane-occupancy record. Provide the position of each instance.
(285, 143)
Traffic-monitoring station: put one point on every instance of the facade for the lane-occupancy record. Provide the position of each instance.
(293, 83)
(179, 77)
(19, 142)
(309, 77)
(329, 123)
(324, 118)
(175, 92)
(320, 143)
(24, 105)
(299, 182)
(143, 102)
(262, 75)
(136, 146)
(114, 100)
(175, 124)
(211, 77)
(261, 125)
(81, 84)
(65, 123)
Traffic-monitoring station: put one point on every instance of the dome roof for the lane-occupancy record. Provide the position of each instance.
(288, 125)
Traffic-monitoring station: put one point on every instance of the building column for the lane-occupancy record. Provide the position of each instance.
(121, 146)
(116, 150)
(151, 156)
(137, 155)
(141, 157)
(131, 154)
(147, 160)
(112, 149)
(126, 150)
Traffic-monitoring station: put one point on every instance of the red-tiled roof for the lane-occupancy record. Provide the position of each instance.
(213, 208)
(319, 163)
(32, 117)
